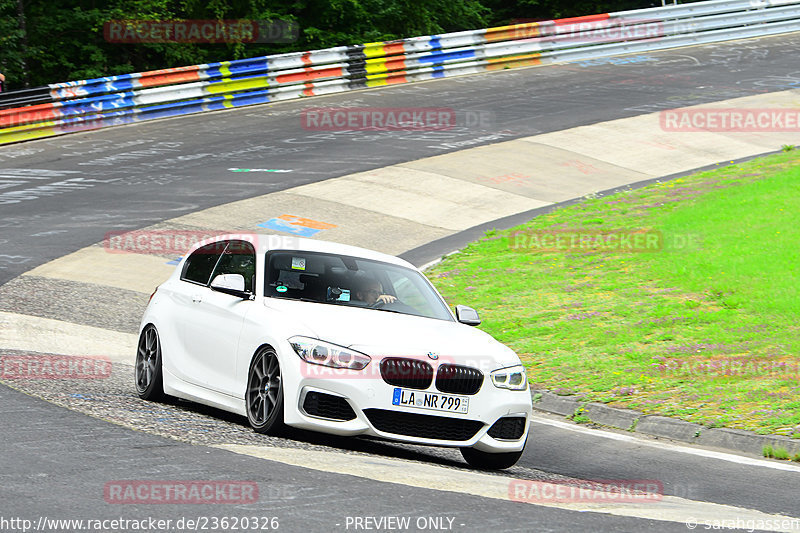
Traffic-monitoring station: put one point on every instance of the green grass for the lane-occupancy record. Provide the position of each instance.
(705, 329)
(778, 453)
(579, 417)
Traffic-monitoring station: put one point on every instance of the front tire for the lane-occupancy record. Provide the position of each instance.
(490, 461)
(149, 379)
(264, 396)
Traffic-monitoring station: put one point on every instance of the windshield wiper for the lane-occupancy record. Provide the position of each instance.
(296, 299)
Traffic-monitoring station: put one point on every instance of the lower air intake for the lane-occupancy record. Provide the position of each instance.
(508, 428)
(327, 406)
(423, 426)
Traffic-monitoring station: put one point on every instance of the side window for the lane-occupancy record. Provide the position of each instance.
(239, 258)
(200, 264)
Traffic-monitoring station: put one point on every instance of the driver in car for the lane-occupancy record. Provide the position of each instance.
(371, 292)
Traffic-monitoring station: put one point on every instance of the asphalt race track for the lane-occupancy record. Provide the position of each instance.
(63, 194)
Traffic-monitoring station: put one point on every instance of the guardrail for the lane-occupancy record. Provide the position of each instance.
(90, 104)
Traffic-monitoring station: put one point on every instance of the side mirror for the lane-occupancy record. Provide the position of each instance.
(467, 315)
(232, 284)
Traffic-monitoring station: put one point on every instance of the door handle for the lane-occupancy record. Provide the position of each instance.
(196, 298)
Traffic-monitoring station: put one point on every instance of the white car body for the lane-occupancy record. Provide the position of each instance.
(208, 340)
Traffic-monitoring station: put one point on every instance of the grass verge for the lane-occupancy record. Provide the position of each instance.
(704, 325)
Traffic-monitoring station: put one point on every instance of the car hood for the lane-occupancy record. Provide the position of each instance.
(382, 333)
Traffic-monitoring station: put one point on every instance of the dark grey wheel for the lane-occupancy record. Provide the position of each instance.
(264, 396)
(490, 461)
(149, 382)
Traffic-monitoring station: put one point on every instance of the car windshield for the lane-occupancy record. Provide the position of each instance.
(351, 281)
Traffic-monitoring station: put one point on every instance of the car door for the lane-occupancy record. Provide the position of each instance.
(214, 323)
(185, 295)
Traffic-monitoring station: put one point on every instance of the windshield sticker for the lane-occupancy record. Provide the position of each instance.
(298, 263)
(281, 288)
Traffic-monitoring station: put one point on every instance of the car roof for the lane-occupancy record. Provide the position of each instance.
(267, 242)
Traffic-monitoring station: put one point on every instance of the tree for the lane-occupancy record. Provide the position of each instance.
(48, 41)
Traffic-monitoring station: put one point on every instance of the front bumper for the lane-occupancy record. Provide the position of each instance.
(371, 401)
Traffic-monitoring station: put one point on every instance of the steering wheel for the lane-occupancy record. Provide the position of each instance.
(378, 304)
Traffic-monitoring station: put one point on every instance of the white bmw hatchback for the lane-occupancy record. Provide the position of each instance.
(331, 338)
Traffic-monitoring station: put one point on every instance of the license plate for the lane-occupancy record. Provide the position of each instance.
(430, 400)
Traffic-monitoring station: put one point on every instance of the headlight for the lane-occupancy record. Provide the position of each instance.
(512, 378)
(326, 354)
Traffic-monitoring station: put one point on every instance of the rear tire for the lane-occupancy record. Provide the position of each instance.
(490, 461)
(264, 395)
(149, 379)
